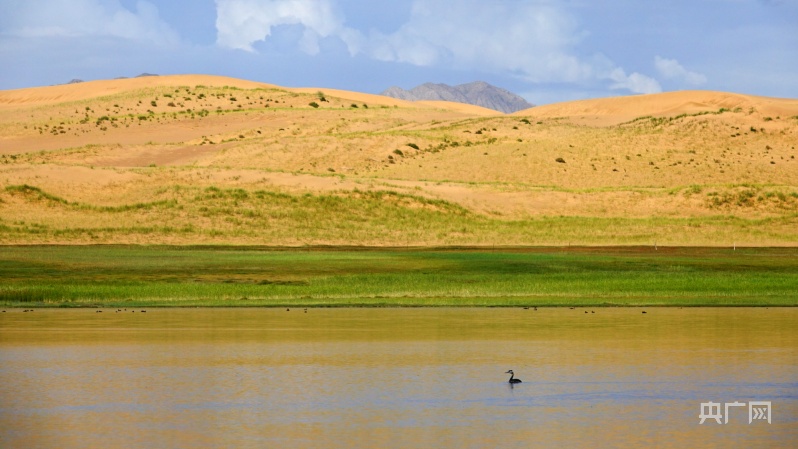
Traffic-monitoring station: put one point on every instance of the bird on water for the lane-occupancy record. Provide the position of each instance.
(513, 380)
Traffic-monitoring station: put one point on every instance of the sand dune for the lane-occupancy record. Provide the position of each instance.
(600, 111)
(160, 164)
(620, 109)
(460, 107)
(355, 97)
(93, 89)
(37, 96)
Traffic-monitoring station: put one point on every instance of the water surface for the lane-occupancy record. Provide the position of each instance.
(342, 378)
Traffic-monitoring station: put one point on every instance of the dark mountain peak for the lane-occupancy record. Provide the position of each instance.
(477, 93)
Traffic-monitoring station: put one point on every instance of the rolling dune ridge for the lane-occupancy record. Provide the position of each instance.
(206, 159)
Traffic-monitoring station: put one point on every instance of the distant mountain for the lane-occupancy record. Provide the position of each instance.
(477, 93)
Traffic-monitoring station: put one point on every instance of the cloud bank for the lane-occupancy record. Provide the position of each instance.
(241, 23)
(85, 18)
(672, 70)
(534, 41)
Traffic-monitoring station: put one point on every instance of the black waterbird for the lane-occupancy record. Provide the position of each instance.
(513, 380)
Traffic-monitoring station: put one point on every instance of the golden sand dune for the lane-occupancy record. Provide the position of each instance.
(460, 107)
(93, 89)
(620, 109)
(209, 159)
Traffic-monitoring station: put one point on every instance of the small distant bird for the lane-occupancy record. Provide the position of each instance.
(513, 380)
(645, 311)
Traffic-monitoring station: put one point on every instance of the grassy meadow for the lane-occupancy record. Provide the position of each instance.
(141, 276)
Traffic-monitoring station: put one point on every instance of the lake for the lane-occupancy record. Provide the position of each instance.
(396, 378)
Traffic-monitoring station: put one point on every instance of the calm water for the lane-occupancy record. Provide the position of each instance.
(382, 378)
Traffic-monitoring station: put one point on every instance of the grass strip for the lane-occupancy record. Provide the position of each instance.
(155, 276)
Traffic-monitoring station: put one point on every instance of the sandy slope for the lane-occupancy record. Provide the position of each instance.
(740, 164)
(605, 111)
(461, 107)
(93, 89)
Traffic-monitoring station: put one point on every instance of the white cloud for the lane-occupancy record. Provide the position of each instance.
(533, 40)
(537, 41)
(672, 70)
(635, 82)
(94, 18)
(240, 23)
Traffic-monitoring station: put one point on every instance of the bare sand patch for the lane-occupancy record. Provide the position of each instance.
(610, 111)
(93, 89)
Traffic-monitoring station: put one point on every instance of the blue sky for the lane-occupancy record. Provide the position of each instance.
(544, 50)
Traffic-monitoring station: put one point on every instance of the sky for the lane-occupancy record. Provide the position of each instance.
(544, 50)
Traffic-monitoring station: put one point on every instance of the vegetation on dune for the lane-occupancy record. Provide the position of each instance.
(388, 175)
(189, 214)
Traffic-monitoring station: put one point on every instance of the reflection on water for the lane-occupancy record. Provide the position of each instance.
(347, 378)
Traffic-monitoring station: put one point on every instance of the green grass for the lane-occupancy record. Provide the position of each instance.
(120, 276)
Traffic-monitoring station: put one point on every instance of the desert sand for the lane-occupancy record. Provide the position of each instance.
(195, 158)
(607, 111)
